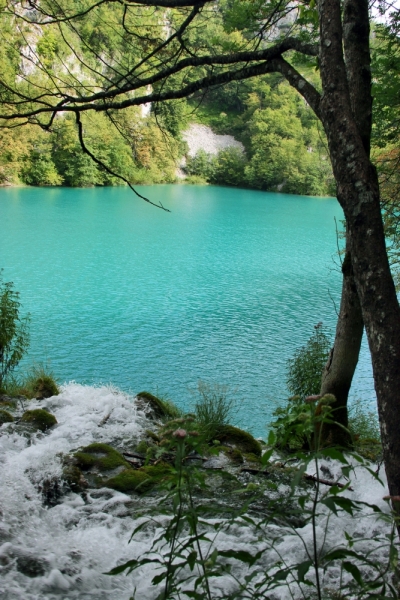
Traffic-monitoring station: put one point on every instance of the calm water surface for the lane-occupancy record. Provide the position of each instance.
(222, 289)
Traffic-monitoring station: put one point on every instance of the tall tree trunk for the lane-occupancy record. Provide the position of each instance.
(358, 194)
(339, 370)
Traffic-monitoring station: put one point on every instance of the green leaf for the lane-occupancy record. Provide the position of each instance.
(393, 557)
(158, 578)
(131, 564)
(191, 559)
(335, 454)
(302, 570)
(266, 456)
(271, 438)
(241, 555)
(281, 575)
(353, 570)
(330, 503)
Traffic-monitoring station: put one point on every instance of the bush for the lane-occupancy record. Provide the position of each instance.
(363, 424)
(306, 366)
(201, 165)
(14, 331)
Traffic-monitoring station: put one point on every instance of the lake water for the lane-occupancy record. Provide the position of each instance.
(222, 289)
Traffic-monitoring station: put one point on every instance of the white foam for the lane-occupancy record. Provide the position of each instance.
(77, 541)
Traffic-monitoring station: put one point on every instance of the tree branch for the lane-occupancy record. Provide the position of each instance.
(106, 168)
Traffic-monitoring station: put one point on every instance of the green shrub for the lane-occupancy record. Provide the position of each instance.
(201, 165)
(14, 330)
(306, 366)
(363, 423)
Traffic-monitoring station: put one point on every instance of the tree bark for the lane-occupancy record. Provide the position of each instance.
(358, 194)
(339, 370)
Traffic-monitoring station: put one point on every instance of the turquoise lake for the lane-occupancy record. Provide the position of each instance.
(222, 289)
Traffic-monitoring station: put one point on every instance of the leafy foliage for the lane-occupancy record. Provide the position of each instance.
(14, 330)
(306, 366)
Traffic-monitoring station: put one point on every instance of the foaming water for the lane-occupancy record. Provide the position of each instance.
(74, 542)
(63, 551)
(224, 288)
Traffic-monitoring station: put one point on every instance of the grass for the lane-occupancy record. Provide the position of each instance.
(213, 408)
(39, 382)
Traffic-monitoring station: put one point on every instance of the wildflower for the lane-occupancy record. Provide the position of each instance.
(311, 399)
(180, 434)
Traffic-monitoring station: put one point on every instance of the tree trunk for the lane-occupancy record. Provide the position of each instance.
(358, 194)
(339, 370)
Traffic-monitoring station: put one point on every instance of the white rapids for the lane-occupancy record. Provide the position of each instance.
(63, 551)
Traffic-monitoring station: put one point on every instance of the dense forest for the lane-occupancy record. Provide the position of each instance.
(285, 145)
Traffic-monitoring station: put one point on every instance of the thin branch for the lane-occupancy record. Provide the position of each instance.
(106, 168)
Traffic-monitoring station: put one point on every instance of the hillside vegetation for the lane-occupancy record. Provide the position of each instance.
(285, 147)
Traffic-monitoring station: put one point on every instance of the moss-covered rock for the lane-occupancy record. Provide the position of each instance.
(252, 458)
(74, 478)
(101, 456)
(5, 417)
(7, 401)
(234, 454)
(142, 447)
(160, 409)
(139, 480)
(239, 438)
(39, 418)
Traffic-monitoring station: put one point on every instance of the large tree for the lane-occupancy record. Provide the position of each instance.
(165, 60)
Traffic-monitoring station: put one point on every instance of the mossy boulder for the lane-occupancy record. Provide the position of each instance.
(242, 440)
(160, 409)
(100, 456)
(39, 418)
(252, 458)
(7, 401)
(74, 478)
(5, 417)
(234, 454)
(139, 480)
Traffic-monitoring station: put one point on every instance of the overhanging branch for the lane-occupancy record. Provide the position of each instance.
(107, 168)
